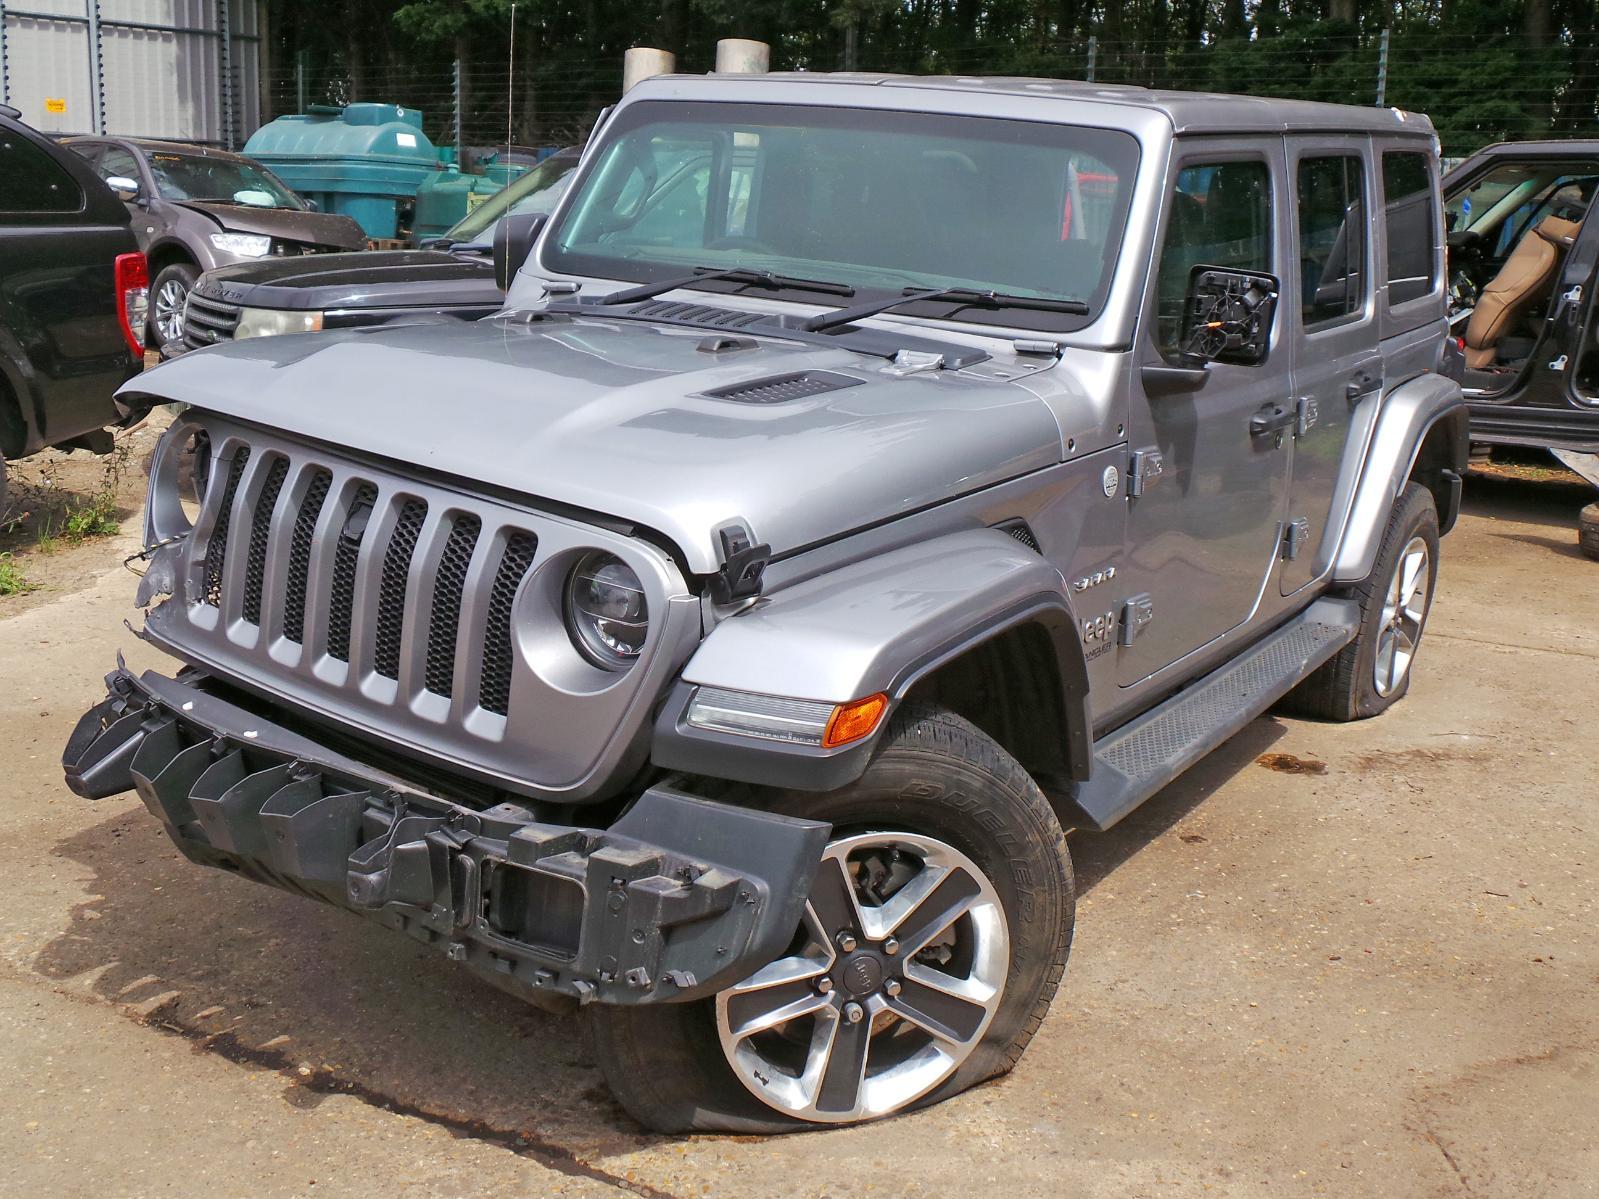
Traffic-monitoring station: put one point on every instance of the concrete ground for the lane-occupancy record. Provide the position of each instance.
(1350, 960)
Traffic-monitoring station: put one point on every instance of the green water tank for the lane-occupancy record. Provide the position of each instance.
(364, 160)
(447, 195)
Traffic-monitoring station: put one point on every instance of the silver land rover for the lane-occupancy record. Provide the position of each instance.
(868, 480)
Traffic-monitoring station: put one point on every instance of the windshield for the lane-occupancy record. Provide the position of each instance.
(540, 190)
(192, 177)
(881, 201)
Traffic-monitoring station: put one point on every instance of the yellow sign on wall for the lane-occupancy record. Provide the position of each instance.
(55, 105)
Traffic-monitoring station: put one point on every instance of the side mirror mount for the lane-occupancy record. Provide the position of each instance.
(513, 242)
(1227, 317)
(127, 189)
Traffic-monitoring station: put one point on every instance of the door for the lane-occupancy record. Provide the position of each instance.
(1203, 534)
(1333, 319)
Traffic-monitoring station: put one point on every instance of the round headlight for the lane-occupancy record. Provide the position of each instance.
(605, 611)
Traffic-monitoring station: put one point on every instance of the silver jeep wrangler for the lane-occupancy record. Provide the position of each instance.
(868, 480)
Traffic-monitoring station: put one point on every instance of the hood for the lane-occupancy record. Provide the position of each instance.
(614, 417)
(289, 224)
(372, 279)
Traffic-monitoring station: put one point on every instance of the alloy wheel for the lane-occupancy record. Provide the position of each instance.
(887, 988)
(169, 303)
(1404, 611)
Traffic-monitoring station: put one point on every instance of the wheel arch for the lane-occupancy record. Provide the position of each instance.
(166, 253)
(972, 620)
(1422, 433)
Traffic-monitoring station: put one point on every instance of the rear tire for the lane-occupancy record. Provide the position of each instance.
(1372, 672)
(1588, 531)
(937, 779)
(168, 293)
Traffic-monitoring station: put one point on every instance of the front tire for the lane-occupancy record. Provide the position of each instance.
(942, 913)
(168, 295)
(1372, 672)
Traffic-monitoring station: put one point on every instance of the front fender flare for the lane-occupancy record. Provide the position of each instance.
(1409, 413)
(877, 625)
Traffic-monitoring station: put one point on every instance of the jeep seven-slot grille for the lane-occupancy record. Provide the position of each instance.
(367, 569)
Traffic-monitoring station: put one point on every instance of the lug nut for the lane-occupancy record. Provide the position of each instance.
(891, 987)
(824, 985)
(846, 941)
(854, 1013)
(891, 947)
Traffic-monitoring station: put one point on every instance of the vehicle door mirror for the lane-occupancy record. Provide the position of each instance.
(1227, 316)
(513, 242)
(127, 189)
(311, 205)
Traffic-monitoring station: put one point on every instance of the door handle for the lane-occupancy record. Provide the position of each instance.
(1273, 418)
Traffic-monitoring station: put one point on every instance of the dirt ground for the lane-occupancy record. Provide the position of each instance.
(1349, 960)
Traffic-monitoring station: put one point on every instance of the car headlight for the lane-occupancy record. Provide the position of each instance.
(269, 322)
(605, 611)
(246, 245)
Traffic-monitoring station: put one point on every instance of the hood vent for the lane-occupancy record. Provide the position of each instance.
(779, 389)
(696, 314)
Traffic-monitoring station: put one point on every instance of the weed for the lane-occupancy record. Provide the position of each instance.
(12, 580)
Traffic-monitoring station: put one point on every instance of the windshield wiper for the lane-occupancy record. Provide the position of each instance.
(963, 296)
(739, 274)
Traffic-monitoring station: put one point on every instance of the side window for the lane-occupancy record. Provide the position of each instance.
(32, 181)
(1332, 238)
(1412, 222)
(1220, 216)
(118, 163)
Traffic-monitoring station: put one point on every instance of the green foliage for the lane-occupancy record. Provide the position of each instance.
(12, 580)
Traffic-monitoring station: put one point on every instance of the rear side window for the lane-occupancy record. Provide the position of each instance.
(1332, 238)
(1220, 216)
(32, 181)
(1411, 218)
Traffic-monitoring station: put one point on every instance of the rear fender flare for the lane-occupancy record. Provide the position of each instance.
(877, 625)
(1411, 413)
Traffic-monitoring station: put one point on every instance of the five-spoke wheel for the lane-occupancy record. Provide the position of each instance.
(893, 978)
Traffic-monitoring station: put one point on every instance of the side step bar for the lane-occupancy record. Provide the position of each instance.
(1138, 759)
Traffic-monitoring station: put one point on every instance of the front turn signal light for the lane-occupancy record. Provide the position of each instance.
(854, 720)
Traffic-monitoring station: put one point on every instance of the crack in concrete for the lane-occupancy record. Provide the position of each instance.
(1537, 649)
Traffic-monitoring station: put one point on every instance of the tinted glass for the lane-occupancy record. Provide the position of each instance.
(1220, 216)
(32, 181)
(117, 163)
(1412, 221)
(1332, 238)
(881, 201)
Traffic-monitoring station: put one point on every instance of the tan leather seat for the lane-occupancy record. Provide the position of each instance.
(1526, 276)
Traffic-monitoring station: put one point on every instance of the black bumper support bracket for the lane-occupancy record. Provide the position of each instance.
(677, 899)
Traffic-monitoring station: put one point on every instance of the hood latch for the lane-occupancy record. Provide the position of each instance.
(743, 565)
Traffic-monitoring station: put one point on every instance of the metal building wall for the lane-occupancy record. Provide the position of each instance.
(188, 70)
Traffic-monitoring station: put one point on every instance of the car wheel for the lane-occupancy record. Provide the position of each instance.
(168, 294)
(1588, 531)
(1372, 672)
(935, 936)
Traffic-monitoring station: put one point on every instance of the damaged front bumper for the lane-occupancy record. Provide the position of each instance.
(677, 899)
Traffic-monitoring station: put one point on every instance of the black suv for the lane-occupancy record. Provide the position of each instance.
(73, 299)
(1522, 262)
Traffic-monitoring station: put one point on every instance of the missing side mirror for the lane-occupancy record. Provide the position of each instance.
(1227, 316)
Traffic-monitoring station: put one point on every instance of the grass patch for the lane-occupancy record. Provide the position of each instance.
(12, 580)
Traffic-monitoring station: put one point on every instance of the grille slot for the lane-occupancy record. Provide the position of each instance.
(216, 550)
(207, 321)
(494, 679)
(392, 589)
(781, 388)
(445, 618)
(316, 494)
(345, 559)
(260, 531)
